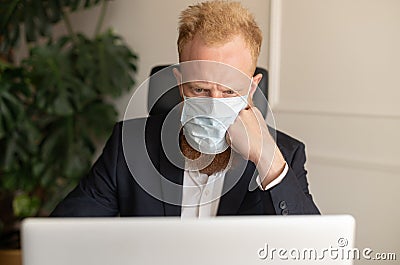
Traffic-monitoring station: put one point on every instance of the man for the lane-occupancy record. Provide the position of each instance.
(221, 156)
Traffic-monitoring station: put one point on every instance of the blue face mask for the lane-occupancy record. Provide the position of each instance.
(205, 121)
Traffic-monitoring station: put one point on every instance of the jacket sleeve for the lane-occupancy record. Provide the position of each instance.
(95, 195)
(291, 195)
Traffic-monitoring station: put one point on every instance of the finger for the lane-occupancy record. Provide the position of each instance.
(257, 113)
(247, 110)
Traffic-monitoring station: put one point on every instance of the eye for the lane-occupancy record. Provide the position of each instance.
(198, 90)
(230, 92)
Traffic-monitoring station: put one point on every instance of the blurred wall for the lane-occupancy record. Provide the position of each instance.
(338, 90)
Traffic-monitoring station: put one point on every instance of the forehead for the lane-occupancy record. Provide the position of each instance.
(213, 74)
(234, 52)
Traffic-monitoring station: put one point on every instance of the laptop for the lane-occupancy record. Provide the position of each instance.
(167, 240)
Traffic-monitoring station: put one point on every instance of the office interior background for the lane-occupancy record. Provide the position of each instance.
(334, 84)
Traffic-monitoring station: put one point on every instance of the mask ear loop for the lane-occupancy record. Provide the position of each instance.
(251, 82)
(181, 87)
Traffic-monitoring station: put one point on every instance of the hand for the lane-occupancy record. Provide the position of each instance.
(249, 136)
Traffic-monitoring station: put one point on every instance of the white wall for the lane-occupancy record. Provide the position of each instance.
(337, 88)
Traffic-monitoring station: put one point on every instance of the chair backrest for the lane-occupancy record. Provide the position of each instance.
(164, 104)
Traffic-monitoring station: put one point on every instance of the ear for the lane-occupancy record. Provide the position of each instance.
(256, 80)
(178, 77)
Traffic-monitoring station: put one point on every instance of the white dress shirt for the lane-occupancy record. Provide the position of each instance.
(201, 193)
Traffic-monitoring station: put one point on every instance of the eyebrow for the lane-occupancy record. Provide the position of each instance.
(207, 85)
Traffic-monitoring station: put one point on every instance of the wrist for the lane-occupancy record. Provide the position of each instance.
(270, 165)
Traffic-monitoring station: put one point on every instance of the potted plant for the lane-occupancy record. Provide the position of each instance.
(54, 105)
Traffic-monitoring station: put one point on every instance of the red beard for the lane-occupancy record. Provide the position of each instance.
(207, 164)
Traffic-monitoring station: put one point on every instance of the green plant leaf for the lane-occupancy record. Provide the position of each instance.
(74, 4)
(8, 181)
(55, 142)
(62, 105)
(53, 10)
(29, 24)
(25, 205)
(98, 118)
(37, 16)
(11, 106)
(54, 108)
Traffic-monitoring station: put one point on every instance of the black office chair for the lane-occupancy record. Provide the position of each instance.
(165, 79)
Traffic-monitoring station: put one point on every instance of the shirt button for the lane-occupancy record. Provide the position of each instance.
(206, 192)
(283, 205)
(285, 212)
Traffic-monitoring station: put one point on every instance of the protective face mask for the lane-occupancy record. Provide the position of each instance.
(205, 121)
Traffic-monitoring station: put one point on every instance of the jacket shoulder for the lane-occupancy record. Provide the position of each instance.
(287, 142)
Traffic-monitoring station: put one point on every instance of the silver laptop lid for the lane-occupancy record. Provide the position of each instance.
(165, 240)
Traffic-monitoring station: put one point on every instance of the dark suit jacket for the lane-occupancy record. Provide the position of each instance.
(135, 149)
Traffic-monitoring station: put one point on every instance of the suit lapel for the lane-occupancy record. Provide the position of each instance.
(171, 165)
(171, 186)
(236, 185)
